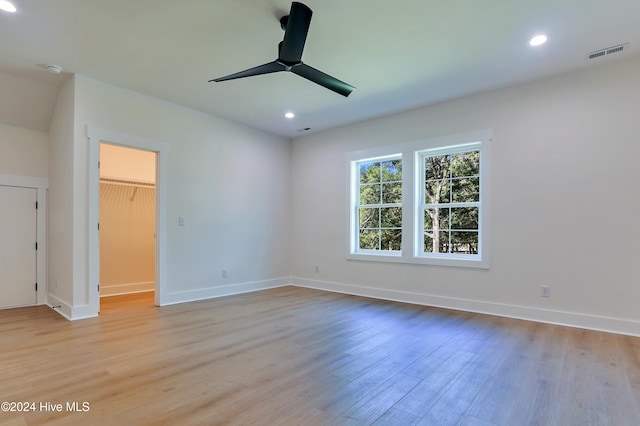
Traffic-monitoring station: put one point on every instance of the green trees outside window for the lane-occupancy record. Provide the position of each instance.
(452, 202)
(380, 205)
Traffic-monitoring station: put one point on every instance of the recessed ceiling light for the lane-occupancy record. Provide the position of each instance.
(289, 115)
(7, 6)
(538, 40)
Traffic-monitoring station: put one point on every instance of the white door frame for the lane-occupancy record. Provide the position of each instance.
(95, 137)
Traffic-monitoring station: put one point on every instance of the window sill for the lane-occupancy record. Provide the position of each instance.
(416, 260)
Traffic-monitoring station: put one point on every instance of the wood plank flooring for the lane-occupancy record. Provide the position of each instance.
(293, 356)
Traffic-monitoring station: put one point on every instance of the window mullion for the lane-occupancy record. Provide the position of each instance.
(452, 205)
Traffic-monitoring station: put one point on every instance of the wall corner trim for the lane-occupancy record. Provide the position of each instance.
(68, 311)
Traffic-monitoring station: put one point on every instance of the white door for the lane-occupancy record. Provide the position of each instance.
(17, 246)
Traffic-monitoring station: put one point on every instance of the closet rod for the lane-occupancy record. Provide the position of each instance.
(127, 182)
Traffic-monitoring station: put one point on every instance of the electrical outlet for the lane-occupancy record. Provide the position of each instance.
(225, 272)
(180, 220)
(316, 269)
(545, 291)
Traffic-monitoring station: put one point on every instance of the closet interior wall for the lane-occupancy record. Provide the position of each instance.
(127, 236)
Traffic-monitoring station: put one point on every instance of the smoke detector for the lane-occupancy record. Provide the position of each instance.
(54, 69)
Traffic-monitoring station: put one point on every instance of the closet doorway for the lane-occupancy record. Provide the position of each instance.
(127, 223)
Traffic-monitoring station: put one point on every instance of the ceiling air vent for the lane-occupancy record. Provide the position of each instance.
(608, 51)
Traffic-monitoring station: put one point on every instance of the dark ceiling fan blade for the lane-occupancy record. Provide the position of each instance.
(325, 80)
(259, 70)
(295, 34)
(296, 26)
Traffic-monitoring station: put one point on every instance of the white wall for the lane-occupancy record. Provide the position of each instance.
(564, 202)
(230, 182)
(60, 237)
(26, 102)
(264, 211)
(23, 152)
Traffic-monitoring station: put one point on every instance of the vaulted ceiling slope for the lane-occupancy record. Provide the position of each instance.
(398, 55)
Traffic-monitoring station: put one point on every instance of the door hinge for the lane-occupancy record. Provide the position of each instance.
(98, 226)
(36, 205)
(36, 245)
(98, 288)
(98, 164)
(36, 286)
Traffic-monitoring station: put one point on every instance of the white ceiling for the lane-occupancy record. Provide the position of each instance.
(399, 55)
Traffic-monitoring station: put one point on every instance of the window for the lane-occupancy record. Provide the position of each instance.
(378, 204)
(450, 202)
(423, 202)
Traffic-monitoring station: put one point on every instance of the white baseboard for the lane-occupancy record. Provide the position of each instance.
(570, 319)
(221, 291)
(128, 288)
(71, 313)
(59, 305)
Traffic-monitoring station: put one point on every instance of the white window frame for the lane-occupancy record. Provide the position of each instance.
(421, 204)
(412, 205)
(355, 205)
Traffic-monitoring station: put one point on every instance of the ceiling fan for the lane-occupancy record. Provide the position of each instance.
(295, 26)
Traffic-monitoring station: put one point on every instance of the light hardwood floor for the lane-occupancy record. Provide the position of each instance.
(293, 356)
